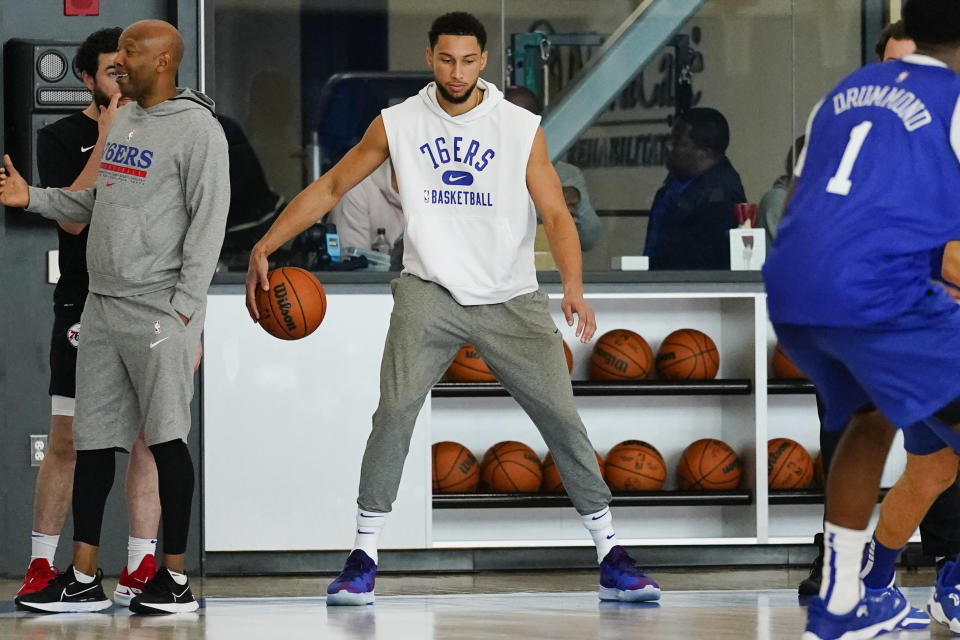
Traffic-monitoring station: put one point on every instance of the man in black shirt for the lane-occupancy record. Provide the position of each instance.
(68, 155)
(693, 211)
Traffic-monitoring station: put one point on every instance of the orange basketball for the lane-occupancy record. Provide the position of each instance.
(468, 366)
(569, 355)
(789, 466)
(551, 477)
(294, 305)
(511, 467)
(455, 469)
(634, 465)
(782, 367)
(708, 464)
(621, 354)
(687, 354)
(819, 477)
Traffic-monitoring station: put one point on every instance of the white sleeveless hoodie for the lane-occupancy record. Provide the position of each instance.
(469, 223)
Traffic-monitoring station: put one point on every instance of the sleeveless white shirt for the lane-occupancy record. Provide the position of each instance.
(469, 223)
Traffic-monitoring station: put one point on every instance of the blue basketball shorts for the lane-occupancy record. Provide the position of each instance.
(908, 373)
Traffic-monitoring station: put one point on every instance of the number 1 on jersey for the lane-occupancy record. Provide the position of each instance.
(840, 183)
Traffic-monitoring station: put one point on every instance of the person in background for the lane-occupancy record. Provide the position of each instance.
(693, 212)
(157, 216)
(770, 209)
(575, 193)
(68, 156)
(373, 204)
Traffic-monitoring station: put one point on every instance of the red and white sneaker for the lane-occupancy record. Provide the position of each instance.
(131, 584)
(39, 574)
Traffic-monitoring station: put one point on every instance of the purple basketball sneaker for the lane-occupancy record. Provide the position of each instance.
(354, 585)
(621, 579)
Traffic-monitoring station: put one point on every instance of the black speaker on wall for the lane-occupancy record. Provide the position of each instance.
(41, 85)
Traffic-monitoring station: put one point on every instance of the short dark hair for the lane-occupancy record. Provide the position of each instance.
(932, 22)
(793, 154)
(893, 31)
(458, 23)
(102, 41)
(708, 129)
(523, 97)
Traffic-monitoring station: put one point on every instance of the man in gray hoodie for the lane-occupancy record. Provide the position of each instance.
(157, 217)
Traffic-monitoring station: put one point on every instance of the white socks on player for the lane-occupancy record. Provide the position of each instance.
(137, 550)
(82, 578)
(841, 588)
(600, 526)
(369, 526)
(43, 546)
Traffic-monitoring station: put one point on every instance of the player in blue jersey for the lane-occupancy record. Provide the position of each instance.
(849, 292)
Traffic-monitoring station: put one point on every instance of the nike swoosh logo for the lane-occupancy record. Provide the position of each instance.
(66, 594)
(110, 184)
(85, 149)
(611, 535)
(363, 515)
(369, 533)
(600, 516)
(153, 344)
(180, 595)
(457, 178)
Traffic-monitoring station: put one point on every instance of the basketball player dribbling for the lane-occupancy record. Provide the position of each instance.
(850, 296)
(467, 163)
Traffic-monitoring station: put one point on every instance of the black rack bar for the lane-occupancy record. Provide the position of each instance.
(729, 386)
(805, 496)
(632, 499)
(789, 386)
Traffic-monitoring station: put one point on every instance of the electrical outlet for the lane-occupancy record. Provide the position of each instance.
(38, 449)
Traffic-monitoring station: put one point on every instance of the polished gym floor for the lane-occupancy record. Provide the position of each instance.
(714, 604)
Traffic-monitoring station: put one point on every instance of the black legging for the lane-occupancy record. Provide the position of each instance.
(175, 479)
(93, 479)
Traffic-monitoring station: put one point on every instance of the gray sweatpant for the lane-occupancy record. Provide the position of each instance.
(523, 348)
(134, 370)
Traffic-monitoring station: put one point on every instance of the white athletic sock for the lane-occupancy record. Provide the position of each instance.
(82, 578)
(179, 578)
(600, 526)
(43, 546)
(369, 526)
(137, 550)
(842, 588)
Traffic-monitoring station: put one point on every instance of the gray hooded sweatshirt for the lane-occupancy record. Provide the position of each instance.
(158, 211)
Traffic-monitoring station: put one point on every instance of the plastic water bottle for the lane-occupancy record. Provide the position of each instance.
(381, 244)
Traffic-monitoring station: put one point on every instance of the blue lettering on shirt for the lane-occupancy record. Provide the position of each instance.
(127, 155)
(472, 156)
(484, 159)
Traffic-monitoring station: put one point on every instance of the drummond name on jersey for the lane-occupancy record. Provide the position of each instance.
(908, 107)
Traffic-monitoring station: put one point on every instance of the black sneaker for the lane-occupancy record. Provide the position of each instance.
(811, 584)
(162, 594)
(65, 594)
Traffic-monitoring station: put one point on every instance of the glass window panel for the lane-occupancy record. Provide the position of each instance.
(288, 77)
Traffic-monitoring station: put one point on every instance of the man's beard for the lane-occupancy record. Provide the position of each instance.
(100, 98)
(455, 100)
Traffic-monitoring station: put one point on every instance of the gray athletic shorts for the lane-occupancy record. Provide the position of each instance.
(134, 370)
